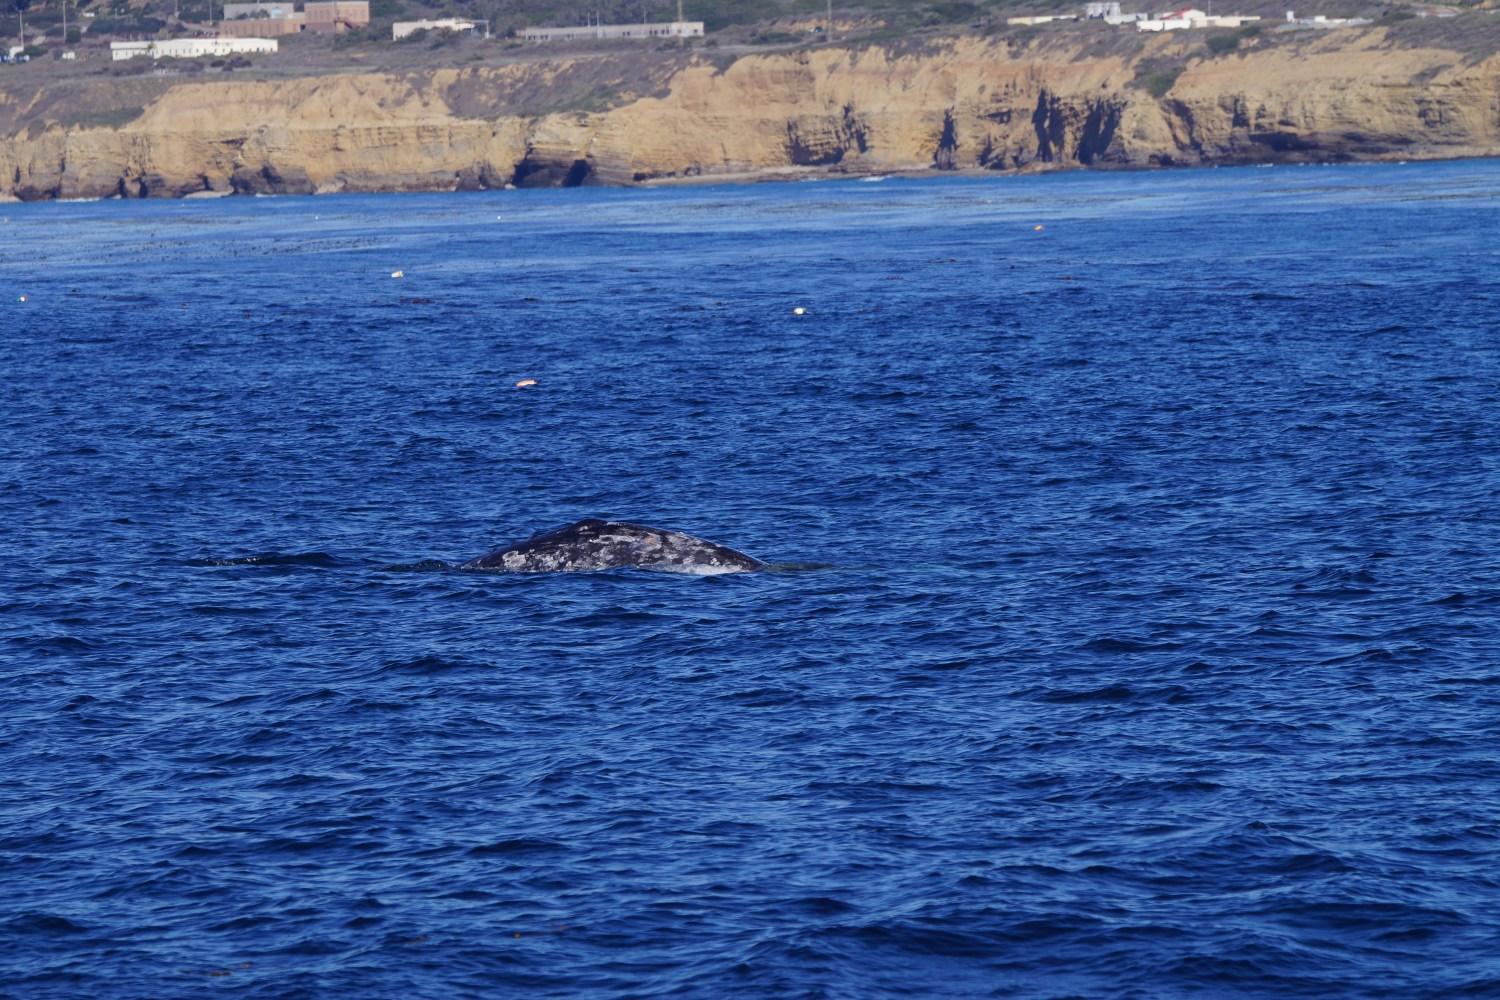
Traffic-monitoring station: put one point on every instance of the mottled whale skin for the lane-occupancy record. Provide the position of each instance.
(592, 544)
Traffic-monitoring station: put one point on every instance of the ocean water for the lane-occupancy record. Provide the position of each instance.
(1134, 633)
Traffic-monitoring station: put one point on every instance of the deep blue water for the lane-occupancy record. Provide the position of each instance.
(1143, 645)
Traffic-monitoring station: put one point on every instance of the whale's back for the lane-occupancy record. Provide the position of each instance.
(593, 544)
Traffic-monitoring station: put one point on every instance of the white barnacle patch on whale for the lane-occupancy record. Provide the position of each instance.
(594, 544)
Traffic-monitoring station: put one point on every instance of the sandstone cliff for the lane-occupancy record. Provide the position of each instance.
(974, 103)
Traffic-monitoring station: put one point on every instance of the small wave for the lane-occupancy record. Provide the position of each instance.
(518, 845)
(1112, 693)
(43, 924)
(428, 665)
(822, 906)
(319, 559)
(1128, 646)
(1335, 581)
(792, 567)
(425, 566)
(1460, 599)
(58, 644)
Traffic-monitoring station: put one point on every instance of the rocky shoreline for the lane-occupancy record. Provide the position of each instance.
(966, 104)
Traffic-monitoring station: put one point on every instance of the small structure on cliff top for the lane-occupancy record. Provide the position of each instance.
(334, 17)
(261, 19)
(401, 29)
(663, 29)
(191, 48)
(325, 17)
(1109, 12)
(1321, 22)
(1192, 17)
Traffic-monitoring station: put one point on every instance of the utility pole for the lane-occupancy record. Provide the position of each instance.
(828, 24)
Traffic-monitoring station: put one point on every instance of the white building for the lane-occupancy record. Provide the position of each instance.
(191, 48)
(1192, 17)
(1175, 21)
(665, 29)
(401, 29)
(1319, 21)
(1227, 20)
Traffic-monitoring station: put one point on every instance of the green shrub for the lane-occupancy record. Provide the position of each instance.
(360, 36)
(719, 14)
(775, 38)
(955, 11)
(1157, 84)
(134, 24)
(1220, 44)
(113, 118)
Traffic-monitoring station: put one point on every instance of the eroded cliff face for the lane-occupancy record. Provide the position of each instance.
(965, 104)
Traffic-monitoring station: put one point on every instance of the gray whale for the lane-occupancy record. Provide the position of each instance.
(592, 544)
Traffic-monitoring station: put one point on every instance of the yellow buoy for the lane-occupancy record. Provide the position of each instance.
(1040, 228)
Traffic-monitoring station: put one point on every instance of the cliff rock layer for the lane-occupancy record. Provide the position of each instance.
(963, 104)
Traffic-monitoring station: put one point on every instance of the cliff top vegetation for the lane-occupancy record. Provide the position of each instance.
(734, 28)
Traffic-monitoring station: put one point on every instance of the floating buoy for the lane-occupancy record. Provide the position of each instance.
(23, 298)
(1040, 228)
(398, 274)
(799, 311)
(526, 381)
